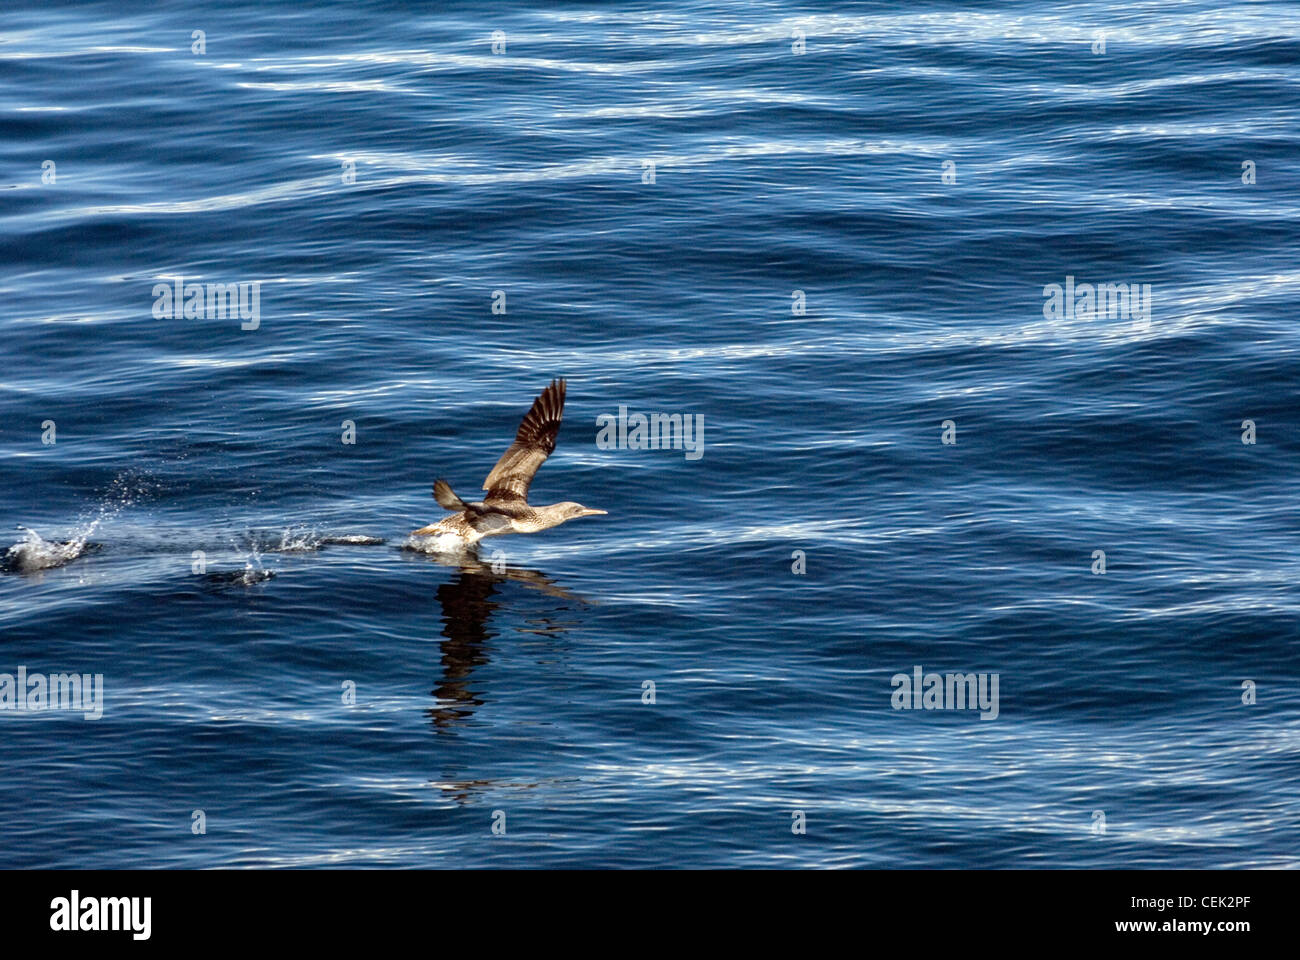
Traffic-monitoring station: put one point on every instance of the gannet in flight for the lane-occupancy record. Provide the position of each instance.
(505, 509)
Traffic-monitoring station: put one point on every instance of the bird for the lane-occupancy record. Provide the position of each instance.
(506, 509)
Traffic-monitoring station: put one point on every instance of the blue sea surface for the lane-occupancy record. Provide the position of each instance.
(830, 231)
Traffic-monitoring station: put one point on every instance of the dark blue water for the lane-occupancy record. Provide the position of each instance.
(520, 689)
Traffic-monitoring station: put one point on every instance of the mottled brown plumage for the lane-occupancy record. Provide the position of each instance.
(505, 509)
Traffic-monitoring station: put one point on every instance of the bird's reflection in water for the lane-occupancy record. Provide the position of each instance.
(468, 600)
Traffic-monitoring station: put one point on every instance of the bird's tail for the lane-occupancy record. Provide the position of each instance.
(446, 497)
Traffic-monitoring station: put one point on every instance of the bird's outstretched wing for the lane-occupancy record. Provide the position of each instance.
(511, 477)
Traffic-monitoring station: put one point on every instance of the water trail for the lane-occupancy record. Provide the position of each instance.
(34, 552)
(307, 540)
(257, 543)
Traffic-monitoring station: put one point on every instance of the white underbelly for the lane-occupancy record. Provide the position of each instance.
(438, 543)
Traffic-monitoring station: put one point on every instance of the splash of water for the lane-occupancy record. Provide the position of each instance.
(34, 552)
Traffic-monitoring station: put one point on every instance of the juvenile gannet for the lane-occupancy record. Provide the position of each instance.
(505, 509)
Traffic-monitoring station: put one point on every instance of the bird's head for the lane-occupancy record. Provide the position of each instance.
(568, 510)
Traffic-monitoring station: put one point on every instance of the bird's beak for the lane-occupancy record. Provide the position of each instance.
(592, 512)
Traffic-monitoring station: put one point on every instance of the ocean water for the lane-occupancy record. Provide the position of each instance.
(825, 231)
